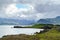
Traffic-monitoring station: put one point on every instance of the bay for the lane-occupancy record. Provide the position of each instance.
(9, 30)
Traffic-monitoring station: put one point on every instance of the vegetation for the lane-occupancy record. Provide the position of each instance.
(36, 26)
(51, 32)
(20, 37)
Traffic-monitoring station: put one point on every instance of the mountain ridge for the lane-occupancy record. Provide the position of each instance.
(50, 20)
(7, 21)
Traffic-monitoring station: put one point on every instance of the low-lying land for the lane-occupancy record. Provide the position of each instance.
(38, 26)
(51, 32)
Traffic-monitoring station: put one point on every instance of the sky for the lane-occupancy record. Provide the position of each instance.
(29, 9)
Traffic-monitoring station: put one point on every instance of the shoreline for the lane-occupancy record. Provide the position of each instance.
(46, 34)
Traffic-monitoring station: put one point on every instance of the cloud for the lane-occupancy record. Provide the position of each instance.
(35, 9)
(13, 11)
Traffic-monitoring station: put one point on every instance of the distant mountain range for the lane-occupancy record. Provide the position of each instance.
(6, 21)
(50, 20)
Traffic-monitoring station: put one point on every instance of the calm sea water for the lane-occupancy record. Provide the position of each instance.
(9, 30)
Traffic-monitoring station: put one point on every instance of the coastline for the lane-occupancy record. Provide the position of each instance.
(50, 31)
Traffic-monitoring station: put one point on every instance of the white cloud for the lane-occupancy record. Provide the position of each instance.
(37, 9)
(39, 15)
(55, 1)
(13, 11)
(23, 16)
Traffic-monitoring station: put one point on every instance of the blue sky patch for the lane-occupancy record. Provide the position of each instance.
(22, 6)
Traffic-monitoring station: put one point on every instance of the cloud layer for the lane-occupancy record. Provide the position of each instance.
(36, 10)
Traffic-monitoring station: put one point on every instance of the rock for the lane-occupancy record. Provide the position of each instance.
(18, 27)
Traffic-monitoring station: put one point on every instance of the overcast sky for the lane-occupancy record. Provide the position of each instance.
(29, 9)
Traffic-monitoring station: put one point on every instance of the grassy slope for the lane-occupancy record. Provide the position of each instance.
(53, 34)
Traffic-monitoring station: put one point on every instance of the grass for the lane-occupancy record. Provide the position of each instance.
(52, 34)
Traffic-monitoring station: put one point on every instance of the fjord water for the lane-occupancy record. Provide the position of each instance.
(9, 30)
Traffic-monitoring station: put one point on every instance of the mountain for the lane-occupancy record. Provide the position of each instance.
(50, 20)
(6, 21)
